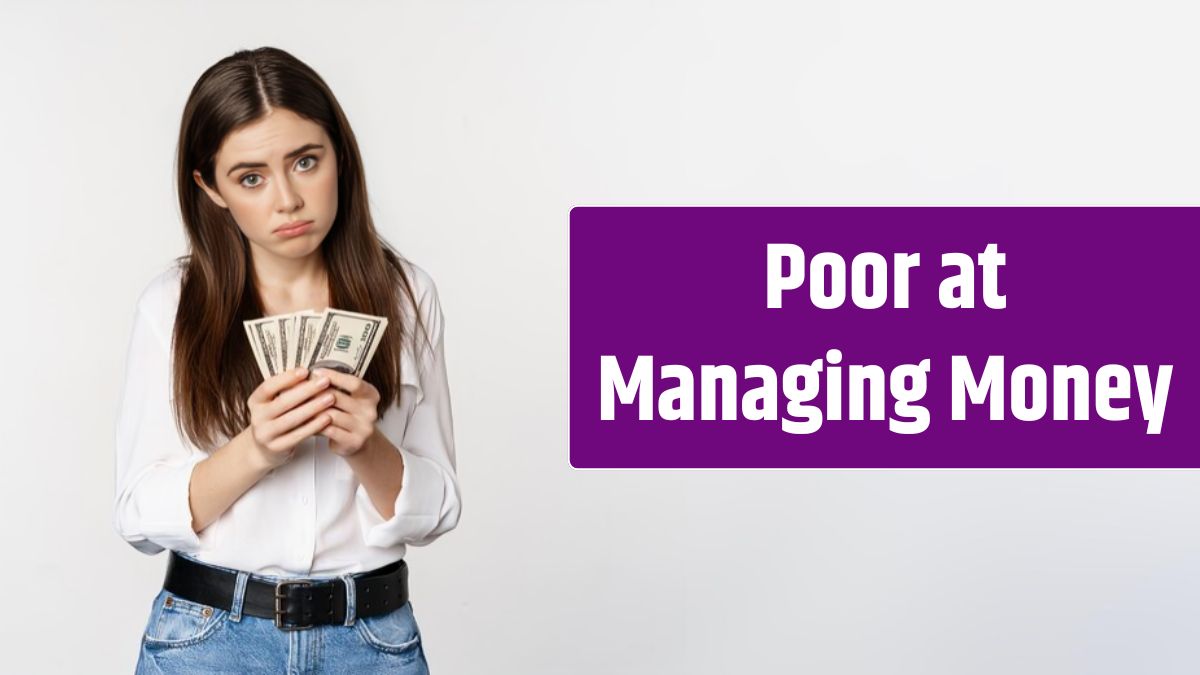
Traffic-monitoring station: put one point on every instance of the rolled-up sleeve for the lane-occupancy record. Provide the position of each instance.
(151, 510)
(429, 503)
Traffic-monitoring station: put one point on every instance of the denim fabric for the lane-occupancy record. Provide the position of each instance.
(183, 636)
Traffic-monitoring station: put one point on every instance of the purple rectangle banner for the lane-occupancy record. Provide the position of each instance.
(883, 337)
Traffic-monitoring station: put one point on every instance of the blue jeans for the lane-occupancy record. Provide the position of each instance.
(183, 636)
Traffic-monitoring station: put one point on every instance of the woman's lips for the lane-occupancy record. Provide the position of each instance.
(291, 232)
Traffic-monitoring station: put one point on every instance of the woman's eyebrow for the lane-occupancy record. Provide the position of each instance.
(251, 165)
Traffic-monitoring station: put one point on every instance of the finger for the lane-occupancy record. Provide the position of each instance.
(298, 415)
(358, 388)
(277, 383)
(344, 402)
(334, 433)
(290, 398)
(344, 381)
(313, 426)
(343, 419)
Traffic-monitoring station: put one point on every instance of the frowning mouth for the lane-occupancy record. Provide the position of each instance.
(293, 228)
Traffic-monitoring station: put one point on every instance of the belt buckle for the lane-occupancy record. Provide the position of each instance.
(280, 596)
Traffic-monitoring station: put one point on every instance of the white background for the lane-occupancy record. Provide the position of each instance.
(481, 125)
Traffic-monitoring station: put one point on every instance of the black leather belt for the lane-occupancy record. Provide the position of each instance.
(294, 604)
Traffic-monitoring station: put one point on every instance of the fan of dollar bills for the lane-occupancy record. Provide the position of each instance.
(334, 338)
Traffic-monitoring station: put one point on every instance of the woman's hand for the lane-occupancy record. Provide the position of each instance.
(284, 410)
(353, 412)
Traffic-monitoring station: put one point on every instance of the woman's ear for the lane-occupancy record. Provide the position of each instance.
(212, 194)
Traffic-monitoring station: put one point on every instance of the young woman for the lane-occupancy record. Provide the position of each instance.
(286, 503)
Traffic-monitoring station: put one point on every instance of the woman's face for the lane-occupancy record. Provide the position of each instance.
(275, 171)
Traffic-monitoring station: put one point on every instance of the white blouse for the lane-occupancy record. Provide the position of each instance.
(309, 517)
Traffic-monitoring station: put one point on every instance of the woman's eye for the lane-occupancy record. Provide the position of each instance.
(259, 178)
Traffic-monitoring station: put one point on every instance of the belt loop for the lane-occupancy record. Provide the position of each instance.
(351, 610)
(239, 596)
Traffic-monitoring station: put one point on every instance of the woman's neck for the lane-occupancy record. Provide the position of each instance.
(289, 285)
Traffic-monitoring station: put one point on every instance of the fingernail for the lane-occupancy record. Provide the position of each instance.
(298, 372)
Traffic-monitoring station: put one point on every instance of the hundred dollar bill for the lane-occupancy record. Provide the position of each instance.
(346, 341)
(256, 348)
(333, 338)
(305, 325)
(270, 341)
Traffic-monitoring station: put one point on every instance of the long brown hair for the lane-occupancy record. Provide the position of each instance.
(215, 370)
